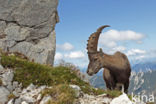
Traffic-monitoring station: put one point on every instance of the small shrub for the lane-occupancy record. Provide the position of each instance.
(11, 96)
(113, 93)
(61, 94)
(130, 97)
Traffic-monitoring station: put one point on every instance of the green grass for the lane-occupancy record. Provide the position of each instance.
(130, 97)
(113, 93)
(61, 94)
(11, 96)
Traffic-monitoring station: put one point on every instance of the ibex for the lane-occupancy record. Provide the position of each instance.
(116, 67)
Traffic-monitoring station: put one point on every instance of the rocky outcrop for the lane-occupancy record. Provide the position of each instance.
(11, 92)
(28, 27)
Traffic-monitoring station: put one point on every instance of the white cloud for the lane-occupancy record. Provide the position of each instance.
(140, 57)
(134, 52)
(83, 65)
(119, 48)
(58, 56)
(111, 37)
(75, 55)
(65, 47)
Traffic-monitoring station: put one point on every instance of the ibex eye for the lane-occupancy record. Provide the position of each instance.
(95, 59)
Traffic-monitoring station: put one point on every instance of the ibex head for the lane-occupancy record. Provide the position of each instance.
(94, 56)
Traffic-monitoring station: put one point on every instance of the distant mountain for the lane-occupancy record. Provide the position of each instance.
(143, 82)
(144, 66)
(97, 81)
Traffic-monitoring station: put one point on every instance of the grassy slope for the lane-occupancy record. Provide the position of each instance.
(27, 72)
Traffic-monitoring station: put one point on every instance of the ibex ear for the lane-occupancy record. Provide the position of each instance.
(101, 51)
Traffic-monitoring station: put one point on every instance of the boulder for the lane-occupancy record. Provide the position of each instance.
(77, 90)
(122, 99)
(31, 94)
(28, 27)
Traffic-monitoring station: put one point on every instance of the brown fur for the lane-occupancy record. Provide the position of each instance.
(110, 84)
(117, 67)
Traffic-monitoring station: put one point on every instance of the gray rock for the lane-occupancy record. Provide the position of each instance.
(18, 101)
(1, 68)
(122, 99)
(2, 26)
(45, 99)
(77, 90)
(28, 99)
(15, 84)
(11, 101)
(31, 94)
(24, 102)
(31, 87)
(30, 28)
(16, 33)
(17, 89)
(3, 95)
(39, 97)
(17, 92)
(10, 87)
(7, 77)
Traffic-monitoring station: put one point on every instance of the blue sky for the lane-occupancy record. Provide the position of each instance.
(133, 21)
